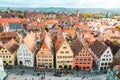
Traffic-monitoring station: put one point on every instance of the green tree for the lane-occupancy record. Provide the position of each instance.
(13, 16)
(118, 27)
(21, 15)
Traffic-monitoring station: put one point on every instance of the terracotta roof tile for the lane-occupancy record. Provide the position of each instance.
(51, 21)
(44, 45)
(30, 41)
(70, 32)
(76, 46)
(58, 42)
(98, 48)
(8, 35)
(11, 46)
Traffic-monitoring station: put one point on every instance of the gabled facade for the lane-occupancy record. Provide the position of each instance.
(24, 56)
(102, 55)
(45, 57)
(26, 51)
(8, 52)
(45, 54)
(83, 59)
(63, 54)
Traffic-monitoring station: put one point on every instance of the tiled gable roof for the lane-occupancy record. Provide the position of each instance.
(11, 46)
(29, 40)
(69, 32)
(76, 46)
(44, 45)
(98, 48)
(8, 35)
(58, 42)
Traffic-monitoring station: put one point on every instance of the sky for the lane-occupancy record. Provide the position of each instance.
(61, 3)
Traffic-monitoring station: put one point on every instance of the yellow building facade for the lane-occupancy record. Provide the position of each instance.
(8, 52)
(64, 55)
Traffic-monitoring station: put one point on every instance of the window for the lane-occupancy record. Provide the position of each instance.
(85, 59)
(80, 59)
(105, 64)
(67, 52)
(5, 51)
(102, 64)
(61, 51)
(88, 67)
(103, 59)
(64, 47)
(42, 52)
(4, 61)
(76, 63)
(76, 59)
(107, 51)
(3, 56)
(80, 54)
(50, 59)
(80, 62)
(38, 59)
(89, 59)
(6, 56)
(106, 59)
(88, 62)
(60, 66)
(110, 59)
(10, 61)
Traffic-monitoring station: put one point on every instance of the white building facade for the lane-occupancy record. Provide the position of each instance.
(2, 72)
(105, 59)
(24, 56)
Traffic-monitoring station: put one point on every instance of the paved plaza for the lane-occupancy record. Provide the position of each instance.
(29, 74)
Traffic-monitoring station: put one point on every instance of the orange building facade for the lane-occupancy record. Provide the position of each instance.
(83, 59)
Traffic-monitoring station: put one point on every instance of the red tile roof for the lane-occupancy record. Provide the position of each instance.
(70, 32)
(98, 48)
(76, 46)
(58, 42)
(30, 41)
(11, 46)
(8, 35)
